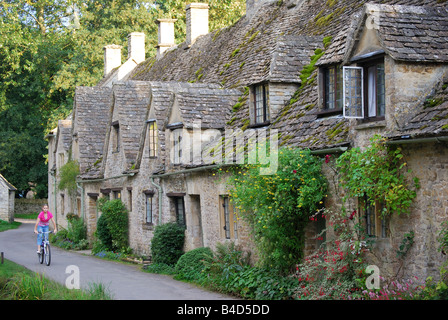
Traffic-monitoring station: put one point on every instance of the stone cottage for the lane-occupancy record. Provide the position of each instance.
(7, 196)
(325, 75)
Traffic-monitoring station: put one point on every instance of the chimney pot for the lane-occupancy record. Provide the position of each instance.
(197, 21)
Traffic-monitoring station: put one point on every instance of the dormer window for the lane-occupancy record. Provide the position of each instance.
(115, 136)
(153, 138)
(260, 104)
(364, 92)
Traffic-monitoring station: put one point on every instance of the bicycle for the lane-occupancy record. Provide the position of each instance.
(45, 251)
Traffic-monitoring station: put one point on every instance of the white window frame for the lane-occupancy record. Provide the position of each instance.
(345, 97)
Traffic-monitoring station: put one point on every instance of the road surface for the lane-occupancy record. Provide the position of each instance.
(125, 282)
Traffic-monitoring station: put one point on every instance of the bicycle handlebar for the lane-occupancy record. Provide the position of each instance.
(45, 232)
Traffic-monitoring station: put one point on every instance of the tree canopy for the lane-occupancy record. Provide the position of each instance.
(49, 47)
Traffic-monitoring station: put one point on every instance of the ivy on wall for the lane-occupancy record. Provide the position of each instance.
(278, 206)
(377, 173)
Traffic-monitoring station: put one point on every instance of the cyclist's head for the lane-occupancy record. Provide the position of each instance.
(45, 207)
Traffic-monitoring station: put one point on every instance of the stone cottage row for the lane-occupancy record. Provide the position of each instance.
(324, 75)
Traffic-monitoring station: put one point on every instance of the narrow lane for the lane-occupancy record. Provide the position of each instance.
(126, 282)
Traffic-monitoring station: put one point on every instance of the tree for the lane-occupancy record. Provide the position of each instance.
(49, 47)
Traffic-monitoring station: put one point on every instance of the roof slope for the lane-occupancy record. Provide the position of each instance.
(91, 115)
(277, 43)
(430, 118)
(8, 185)
(406, 32)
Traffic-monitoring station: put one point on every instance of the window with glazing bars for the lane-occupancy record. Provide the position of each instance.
(153, 141)
(261, 103)
(333, 88)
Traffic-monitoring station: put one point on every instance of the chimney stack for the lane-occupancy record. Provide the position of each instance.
(197, 21)
(112, 58)
(136, 46)
(166, 35)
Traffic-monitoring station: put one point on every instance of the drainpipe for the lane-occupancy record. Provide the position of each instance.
(53, 174)
(81, 187)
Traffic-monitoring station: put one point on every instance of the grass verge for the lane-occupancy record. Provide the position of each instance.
(19, 283)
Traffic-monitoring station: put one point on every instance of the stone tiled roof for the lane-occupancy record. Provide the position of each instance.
(91, 118)
(291, 54)
(8, 185)
(411, 33)
(261, 49)
(131, 106)
(430, 119)
(406, 32)
(64, 132)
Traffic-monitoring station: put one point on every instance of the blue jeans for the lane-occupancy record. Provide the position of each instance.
(39, 235)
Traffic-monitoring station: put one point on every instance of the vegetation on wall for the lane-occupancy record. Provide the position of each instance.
(67, 176)
(377, 172)
(278, 206)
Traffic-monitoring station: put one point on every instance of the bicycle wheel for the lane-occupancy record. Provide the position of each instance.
(41, 254)
(47, 254)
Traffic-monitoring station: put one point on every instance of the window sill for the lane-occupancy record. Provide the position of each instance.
(148, 226)
(371, 124)
(329, 113)
(259, 125)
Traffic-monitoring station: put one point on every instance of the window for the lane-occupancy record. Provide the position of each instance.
(148, 209)
(364, 91)
(116, 136)
(180, 210)
(261, 98)
(332, 88)
(375, 225)
(228, 219)
(130, 199)
(353, 92)
(177, 146)
(153, 141)
(376, 92)
(116, 194)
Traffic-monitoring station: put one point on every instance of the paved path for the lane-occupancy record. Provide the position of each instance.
(126, 282)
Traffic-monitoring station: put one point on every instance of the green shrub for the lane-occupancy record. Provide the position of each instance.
(160, 268)
(229, 271)
(112, 226)
(190, 265)
(167, 243)
(103, 232)
(77, 230)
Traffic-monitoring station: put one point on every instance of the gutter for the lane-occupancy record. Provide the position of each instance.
(329, 150)
(409, 140)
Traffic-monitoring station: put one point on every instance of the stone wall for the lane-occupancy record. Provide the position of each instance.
(25, 206)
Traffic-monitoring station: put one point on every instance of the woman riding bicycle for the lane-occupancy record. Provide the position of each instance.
(43, 224)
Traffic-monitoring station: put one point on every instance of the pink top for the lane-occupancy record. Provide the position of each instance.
(42, 220)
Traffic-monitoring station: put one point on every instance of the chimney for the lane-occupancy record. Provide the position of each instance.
(136, 46)
(166, 35)
(112, 58)
(197, 21)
